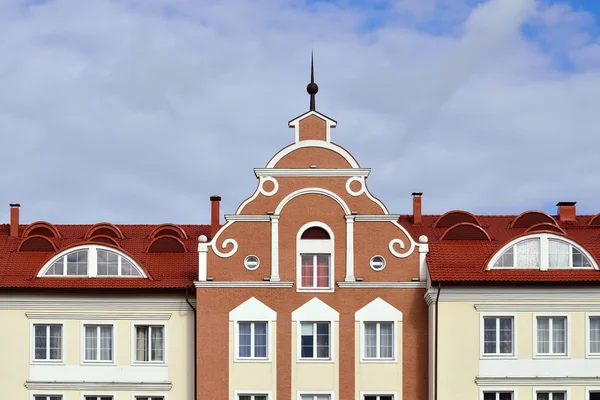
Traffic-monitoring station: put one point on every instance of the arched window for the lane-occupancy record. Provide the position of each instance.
(315, 258)
(91, 261)
(542, 251)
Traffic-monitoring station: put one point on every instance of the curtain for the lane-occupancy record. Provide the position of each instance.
(91, 343)
(370, 340)
(528, 253)
(55, 342)
(506, 335)
(157, 343)
(106, 343)
(489, 335)
(306, 340)
(245, 340)
(543, 396)
(322, 271)
(323, 340)
(543, 335)
(260, 339)
(142, 353)
(558, 252)
(387, 340)
(558, 335)
(595, 335)
(307, 271)
(40, 342)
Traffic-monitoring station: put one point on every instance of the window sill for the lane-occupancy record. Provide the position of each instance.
(551, 356)
(322, 290)
(47, 362)
(315, 361)
(252, 360)
(378, 361)
(498, 357)
(149, 364)
(593, 355)
(107, 363)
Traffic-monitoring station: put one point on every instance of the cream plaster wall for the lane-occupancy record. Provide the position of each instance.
(315, 376)
(254, 377)
(377, 376)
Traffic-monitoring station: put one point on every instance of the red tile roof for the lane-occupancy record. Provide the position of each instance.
(18, 269)
(465, 260)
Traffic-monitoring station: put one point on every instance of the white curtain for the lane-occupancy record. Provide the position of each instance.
(386, 340)
(157, 338)
(489, 335)
(106, 343)
(595, 335)
(260, 339)
(558, 251)
(141, 353)
(245, 340)
(91, 343)
(528, 253)
(543, 335)
(55, 342)
(370, 340)
(40, 342)
(558, 335)
(506, 335)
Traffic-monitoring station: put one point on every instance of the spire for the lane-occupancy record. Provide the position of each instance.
(312, 87)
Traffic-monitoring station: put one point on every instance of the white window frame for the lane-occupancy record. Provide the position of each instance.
(379, 310)
(137, 396)
(253, 310)
(238, 393)
(237, 341)
(315, 247)
(591, 389)
(63, 395)
(32, 359)
(564, 389)
(588, 336)
(315, 358)
(92, 263)
(114, 342)
(514, 390)
(486, 356)
(329, 393)
(135, 324)
(544, 253)
(98, 396)
(567, 332)
(363, 342)
(364, 393)
(315, 310)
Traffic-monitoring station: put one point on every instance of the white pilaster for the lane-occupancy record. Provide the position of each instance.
(350, 249)
(202, 261)
(275, 248)
(423, 250)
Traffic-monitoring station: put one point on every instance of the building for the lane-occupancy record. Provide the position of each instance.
(97, 312)
(311, 290)
(514, 304)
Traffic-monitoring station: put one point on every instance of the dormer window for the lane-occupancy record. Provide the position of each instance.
(315, 258)
(542, 251)
(92, 261)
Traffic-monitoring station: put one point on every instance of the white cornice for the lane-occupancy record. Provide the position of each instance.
(243, 284)
(430, 296)
(101, 303)
(537, 307)
(38, 385)
(536, 380)
(296, 172)
(520, 294)
(382, 285)
(378, 217)
(94, 316)
(246, 218)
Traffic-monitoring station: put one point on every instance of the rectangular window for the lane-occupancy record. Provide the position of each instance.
(149, 398)
(149, 343)
(252, 340)
(252, 397)
(498, 335)
(552, 335)
(594, 335)
(315, 397)
(46, 397)
(98, 397)
(379, 340)
(379, 397)
(551, 396)
(48, 342)
(315, 271)
(314, 342)
(498, 396)
(98, 342)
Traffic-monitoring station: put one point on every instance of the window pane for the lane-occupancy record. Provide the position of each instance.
(322, 271)
(559, 335)
(106, 343)
(506, 335)
(55, 342)
(506, 259)
(528, 253)
(579, 260)
(260, 339)
(323, 340)
(489, 396)
(489, 335)
(594, 334)
(142, 352)
(91, 343)
(543, 396)
(371, 340)
(40, 342)
(307, 271)
(386, 340)
(558, 252)
(307, 340)
(245, 340)
(157, 343)
(505, 396)
(543, 335)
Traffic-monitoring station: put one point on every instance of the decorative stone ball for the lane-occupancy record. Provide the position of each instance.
(312, 88)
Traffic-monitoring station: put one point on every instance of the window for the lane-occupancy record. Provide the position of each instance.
(498, 335)
(314, 340)
(47, 342)
(252, 340)
(98, 397)
(315, 270)
(551, 335)
(149, 343)
(379, 340)
(377, 263)
(149, 398)
(379, 397)
(92, 261)
(543, 251)
(497, 395)
(251, 263)
(315, 397)
(315, 258)
(45, 397)
(594, 335)
(98, 343)
(252, 397)
(551, 396)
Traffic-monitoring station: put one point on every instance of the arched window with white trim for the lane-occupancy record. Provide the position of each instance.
(543, 251)
(92, 261)
(315, 257)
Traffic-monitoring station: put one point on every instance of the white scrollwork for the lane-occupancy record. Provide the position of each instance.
(394, 242)
(226, 243)
(264, 179)
(358, 179)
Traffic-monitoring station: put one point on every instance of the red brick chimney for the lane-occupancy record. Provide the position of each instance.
(566, 211)
(417, 214)
(215, 215)
(14, 220)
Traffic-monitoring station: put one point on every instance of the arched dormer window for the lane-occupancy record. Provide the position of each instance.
(543, 251)
(314, 270)
(92, 261)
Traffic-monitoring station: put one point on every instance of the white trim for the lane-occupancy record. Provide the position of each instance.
(268, 193)
(313, 143)
(237, 393)
(112, 361)
(134, 395)
(304, 172)
(551, 315)
(247, 218)
(243, 284)
(497, 356)
(544, 258)
(587, 292)
(63, 395)
(315, 310)
(96, 396)
(514, 390)
(358, 192)
(486, 381)
(377, 217)
(313, 190)
(349, 249)
(30, 301)
(383, 263)
(37, 385)
(589, 315)
(275, 248)
(92, 264)
(252, 310)
(379, 311)
(381, 285)
(591, 389)
(537, 307)
(96, 316)
(134, 324)
(316, 247)
(364, 393)
(63, 357)
(202, 261)
(536, 389)
(300, 393)
(329, 123)
(236, 340)
(246, 262)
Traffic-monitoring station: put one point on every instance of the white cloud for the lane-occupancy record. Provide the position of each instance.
(138, 111)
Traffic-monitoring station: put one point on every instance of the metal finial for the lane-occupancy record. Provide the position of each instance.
(312, 87)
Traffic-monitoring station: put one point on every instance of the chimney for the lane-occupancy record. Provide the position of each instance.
(14, 220)
(215, 211)
(566, 211)
(417, 208)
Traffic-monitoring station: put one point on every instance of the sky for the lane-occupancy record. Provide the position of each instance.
(136, 111)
